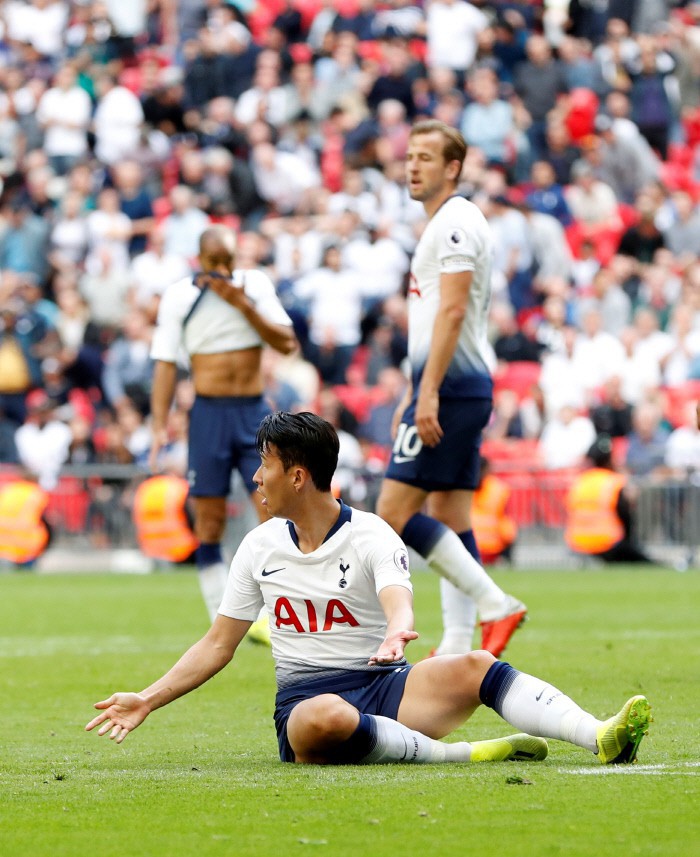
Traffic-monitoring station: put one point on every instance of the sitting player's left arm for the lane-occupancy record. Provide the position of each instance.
(397, 604)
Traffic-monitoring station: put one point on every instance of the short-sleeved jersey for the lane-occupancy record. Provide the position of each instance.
(215, 326)
(324, 611)
(457, 238)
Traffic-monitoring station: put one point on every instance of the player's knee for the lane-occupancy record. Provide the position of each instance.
(479, 662)
(392, 513)
(323, 720)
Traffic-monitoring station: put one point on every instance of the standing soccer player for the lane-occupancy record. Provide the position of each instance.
(438, 425)
(335, 583)
(222, 318)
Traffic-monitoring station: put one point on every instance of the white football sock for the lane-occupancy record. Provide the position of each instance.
(212, 583)
(397, 743)
(451, 560)
(458, 620)
(538, 708)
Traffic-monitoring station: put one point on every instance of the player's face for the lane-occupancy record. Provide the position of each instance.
(427, 173)
(219, 259)
(274, 484)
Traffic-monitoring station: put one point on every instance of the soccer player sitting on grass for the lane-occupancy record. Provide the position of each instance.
(335, 583)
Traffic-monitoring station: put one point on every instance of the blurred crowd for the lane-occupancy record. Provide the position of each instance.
(126, 128)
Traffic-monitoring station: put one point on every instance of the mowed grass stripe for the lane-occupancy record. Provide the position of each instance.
(201, 777)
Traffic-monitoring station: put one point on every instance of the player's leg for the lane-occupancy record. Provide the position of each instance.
(452, 508)
(327, 729)
(212, 571)
(442, 549)
(439, 694)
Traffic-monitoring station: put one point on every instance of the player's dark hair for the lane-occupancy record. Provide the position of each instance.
(454, 148)
(304, 439)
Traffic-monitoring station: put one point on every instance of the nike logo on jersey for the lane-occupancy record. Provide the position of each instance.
(266, 573)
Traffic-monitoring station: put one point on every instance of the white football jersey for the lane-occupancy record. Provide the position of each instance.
(456, 238)
(325, 616)
(215, 326)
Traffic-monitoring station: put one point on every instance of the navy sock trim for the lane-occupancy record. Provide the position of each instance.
(496, 684)
(208, 554)
(359, 745)
(422, 533)
(469, 542)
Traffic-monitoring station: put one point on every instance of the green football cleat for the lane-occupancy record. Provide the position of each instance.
(259, 632)
(619, 737)
(515, 748)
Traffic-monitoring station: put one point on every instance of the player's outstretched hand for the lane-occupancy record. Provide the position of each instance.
(391, 649)
(121, 714)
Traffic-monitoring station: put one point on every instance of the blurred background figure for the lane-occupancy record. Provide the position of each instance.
(600, 508)
(494, 529)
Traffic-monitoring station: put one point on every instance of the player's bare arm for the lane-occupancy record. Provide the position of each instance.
(121, 713)
(454, 292)
(397, 604)
(400, 408)
(162, 392)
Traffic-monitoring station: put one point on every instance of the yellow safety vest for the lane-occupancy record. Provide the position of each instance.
(593, 525)
(23, 534)
(494, 531)
(162, 529)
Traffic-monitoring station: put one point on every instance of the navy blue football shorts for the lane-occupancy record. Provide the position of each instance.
(451, 465)
(377, 691)
(222, 438)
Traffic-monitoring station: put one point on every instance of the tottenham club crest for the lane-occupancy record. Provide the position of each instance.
(342, 583)
(456, 238)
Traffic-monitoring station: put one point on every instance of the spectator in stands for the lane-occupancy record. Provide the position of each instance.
(43, 441)
(596, 352)
(646, 451)
(683, 445)
(591, 202)
(228, 185)
(395, 78)
(559, 151)
(25, 239)
(109, 229)
(452, 31)
(128, 369)
(682, 361)
(282, 178)
(333, 295)
(610, 300)
(512, 342)
(505, 419)
(68, 241)
(153, 270)
(539, 82)
(105, 286)
(600, 507)
(613, 416)
(135, 202)
(639, 368)
(185, 223)
(117, 120)
(487, 121)
(64, 113)
(565, 438)
(560, 379)
(644, 238)
(390, 388)
(513, 249)
(682, 237)
(626, 160)
(547, 196)
(651, 106)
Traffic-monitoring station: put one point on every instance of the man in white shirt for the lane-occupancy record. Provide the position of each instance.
(117, 122)
(438, 425)
(335, 584)
(221, 320)
(64, 113)
(43, 442)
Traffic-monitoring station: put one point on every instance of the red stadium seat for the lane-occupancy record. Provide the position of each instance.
(519, 376)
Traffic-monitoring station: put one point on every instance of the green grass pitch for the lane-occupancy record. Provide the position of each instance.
(201, 777)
